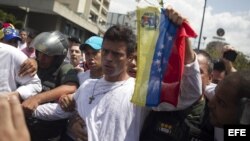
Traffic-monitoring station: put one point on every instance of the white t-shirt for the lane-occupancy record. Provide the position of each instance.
(210, 91)
(82, 76)
(50, 112)
(53, 111)
(21, 45)
(11, 60)
(111, 116)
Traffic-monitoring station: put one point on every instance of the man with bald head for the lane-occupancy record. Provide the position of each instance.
(230, 105)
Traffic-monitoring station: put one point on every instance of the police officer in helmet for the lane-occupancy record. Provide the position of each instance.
(57, 79)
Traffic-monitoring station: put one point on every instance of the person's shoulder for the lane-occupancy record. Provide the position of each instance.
(91, 80)
(66, 67)
(129, 84)
(7, 48)
(68, 73)
(88, 82)
(131, 80)
(82, 73)
(14, 52)
(82, 76)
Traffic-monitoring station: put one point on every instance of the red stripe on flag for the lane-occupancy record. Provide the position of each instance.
(173, 74)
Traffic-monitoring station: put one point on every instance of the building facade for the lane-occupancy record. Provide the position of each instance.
(128, 19)
(80, 18)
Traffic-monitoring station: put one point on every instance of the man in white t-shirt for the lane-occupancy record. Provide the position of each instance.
(10, 81)
(92, 50)
(23, 42)
(104, 104)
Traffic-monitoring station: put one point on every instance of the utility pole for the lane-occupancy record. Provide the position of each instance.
(27, 10)
(202, 21)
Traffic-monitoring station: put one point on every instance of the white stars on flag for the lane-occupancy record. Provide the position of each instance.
(159, 70)
(158, 62)
(170, 38)
(159, 58)
(162, 46)
(159, 54)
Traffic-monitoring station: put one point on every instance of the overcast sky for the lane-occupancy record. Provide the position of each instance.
(232, 15)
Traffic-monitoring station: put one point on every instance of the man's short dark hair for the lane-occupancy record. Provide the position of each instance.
(74, 39)
(122, 33)
(219, 65)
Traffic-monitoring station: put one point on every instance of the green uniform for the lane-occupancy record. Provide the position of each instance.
(42, 130)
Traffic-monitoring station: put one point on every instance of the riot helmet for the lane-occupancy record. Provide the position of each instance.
(52, 44)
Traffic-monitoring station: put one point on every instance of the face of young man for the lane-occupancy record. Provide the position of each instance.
(23, 36)
(93, 58)
(75, 55)
(217, 76)
(44, 61)
(28, 41)
(114, 60)
(132, 67)
(224, 106)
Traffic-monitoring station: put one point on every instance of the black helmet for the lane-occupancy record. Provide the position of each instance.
(51, 43)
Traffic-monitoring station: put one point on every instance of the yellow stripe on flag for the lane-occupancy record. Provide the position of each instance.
(147, 32)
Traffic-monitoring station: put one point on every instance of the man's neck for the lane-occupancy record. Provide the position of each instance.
(121, 77)
(95, 74)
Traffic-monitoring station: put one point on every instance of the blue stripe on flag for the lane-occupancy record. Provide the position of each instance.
(162, 53)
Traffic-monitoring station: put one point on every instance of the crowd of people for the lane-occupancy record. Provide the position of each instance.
(55, 88)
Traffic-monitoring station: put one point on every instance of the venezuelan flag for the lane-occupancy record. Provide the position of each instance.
(160, 58)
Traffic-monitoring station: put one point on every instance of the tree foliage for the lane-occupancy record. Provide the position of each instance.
(10, 18)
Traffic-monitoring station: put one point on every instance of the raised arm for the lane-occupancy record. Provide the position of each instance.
(178, 19)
